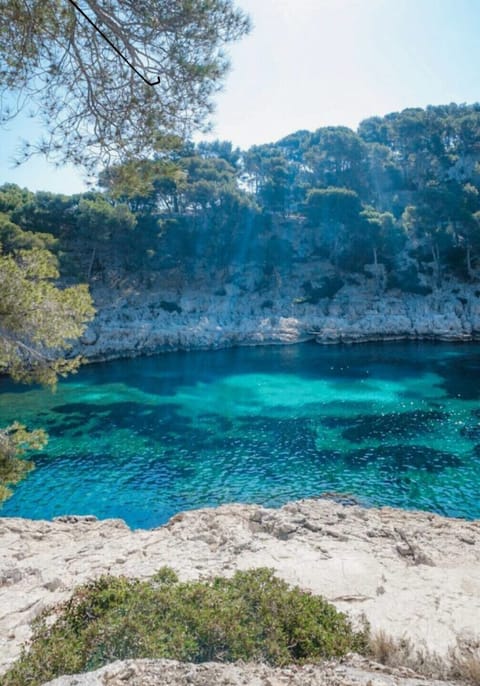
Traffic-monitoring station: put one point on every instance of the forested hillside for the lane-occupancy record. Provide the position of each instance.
(398, 200)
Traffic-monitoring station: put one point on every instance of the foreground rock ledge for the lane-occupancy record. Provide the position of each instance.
(355, 672)
(413, 574)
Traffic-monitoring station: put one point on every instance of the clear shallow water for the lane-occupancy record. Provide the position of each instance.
(142, 439)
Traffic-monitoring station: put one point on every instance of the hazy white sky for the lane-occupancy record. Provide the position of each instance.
(311, 63)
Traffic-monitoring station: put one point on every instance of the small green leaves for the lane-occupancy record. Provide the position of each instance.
(252, 616)
(38, 319)
(15, 440)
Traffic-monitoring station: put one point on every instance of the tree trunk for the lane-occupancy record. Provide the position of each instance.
(375, 264)
(92, 260)
(470, 271)
(436, 265)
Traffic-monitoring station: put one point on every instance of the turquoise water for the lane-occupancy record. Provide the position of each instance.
(142, 439)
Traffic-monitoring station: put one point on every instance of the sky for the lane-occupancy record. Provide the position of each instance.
(313, 63)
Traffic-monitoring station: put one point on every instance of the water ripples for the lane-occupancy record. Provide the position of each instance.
(141, 439)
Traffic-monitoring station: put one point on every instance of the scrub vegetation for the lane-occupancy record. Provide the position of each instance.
(252, 616)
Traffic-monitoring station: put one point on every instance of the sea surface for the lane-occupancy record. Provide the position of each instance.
(142, 439)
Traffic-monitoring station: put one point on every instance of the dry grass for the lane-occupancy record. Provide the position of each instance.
(463, 663)
(395, 652)
(384, 648)
(470, 669)
(467, 668)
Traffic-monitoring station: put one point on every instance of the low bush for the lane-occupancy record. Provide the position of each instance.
(170, 307)
(252, 616)
(408, 281)
(329, 288)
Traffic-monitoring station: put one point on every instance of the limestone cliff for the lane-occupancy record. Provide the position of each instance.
(194, 316)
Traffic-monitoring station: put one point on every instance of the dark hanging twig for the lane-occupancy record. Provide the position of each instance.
(112, 45)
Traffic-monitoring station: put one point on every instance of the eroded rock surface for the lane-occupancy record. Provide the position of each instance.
(355, 672)
(412, 574)
(138, 323)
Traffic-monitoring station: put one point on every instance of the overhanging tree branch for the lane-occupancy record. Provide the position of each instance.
(113, 46)
(77, 64)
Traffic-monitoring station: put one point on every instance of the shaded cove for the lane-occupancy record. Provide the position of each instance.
(142, 439)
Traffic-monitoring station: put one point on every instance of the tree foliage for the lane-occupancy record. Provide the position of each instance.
(402, 194)
(93, 106)
(38, 321)
(15, 441)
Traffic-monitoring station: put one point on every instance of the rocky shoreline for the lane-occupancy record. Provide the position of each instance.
(414, 575)
(131, 324)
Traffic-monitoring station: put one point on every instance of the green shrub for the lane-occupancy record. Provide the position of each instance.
(252, 616)
(329, 288)
(170, 307)
(408, 281)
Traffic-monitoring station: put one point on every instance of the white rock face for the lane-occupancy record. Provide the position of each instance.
(139, 323)
(413, 574)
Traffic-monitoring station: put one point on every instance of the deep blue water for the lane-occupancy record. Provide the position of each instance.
(142, 439)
